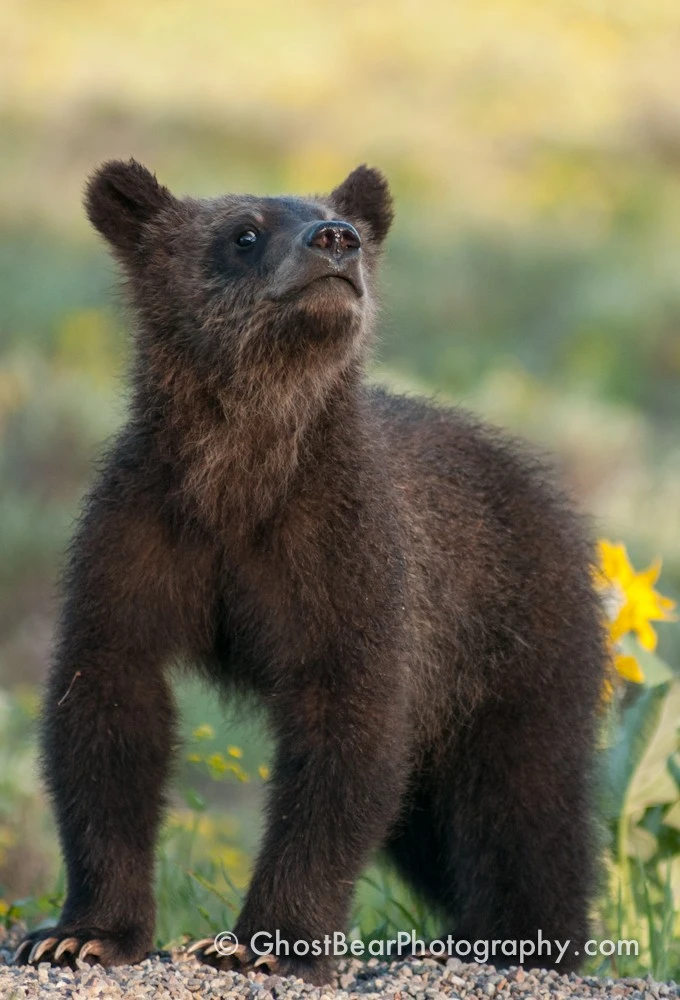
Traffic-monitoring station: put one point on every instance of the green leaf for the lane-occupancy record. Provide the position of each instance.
(637, 724)
(212, 889)
(641, 843)
(652, 783)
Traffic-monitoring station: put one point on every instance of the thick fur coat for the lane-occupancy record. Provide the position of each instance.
(405, 590)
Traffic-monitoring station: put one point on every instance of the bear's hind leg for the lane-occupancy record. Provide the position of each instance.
(515, 813)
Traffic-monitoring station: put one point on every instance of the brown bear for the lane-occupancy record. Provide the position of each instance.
(405, 590)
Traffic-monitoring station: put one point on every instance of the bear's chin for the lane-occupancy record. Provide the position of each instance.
(333, 318)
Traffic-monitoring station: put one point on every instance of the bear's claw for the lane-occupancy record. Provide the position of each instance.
(68, 946)
(240, 960)
(22, 947)
(198, 945)
(39, 949)
(92, 947)
(271, 961)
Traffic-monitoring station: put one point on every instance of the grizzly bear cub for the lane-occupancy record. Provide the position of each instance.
(405, 590)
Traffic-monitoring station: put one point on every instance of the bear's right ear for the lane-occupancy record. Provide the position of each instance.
(120, 198)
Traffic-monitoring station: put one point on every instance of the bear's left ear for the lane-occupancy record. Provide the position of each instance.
(365, 193)
(120, 199)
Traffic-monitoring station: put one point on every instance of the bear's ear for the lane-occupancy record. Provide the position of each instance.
(365, 194)
(120, 198)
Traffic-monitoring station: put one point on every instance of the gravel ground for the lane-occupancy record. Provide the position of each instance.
(178, 977)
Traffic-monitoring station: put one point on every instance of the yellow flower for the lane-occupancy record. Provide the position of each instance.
(217, 764)
(633, 601)
(204, 732)
(263, 771)
(235, 752)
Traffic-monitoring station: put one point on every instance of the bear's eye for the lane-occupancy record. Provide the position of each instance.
(247, 238)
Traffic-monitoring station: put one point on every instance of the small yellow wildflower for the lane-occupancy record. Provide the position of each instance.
(204, 732)
(631, 603)
(238, 771)
(636, 603)
(263, 771)
(194, 758)
(235, 752)
(217, 764)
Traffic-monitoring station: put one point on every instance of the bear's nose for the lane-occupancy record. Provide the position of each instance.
(333, 237)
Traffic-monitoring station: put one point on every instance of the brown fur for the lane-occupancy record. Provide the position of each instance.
(405, 590)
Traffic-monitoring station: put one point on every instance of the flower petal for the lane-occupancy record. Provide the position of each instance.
(646, 635)
(629, 668)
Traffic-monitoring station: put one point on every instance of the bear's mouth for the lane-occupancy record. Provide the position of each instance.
(334, 283)
(334, 279)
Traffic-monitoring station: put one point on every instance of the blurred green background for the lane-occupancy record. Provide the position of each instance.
(533, 273)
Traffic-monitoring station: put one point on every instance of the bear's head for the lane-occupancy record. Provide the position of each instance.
(241, 286)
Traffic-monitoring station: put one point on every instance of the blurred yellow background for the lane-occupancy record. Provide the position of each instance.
(533, 273)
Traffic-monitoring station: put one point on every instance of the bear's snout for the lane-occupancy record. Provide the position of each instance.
(334, 237)
(323, 249)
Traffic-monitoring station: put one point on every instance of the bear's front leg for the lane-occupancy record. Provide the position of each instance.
(108, 730)
(339, 775)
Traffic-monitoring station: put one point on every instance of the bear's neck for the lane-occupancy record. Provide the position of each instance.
(239, 455)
